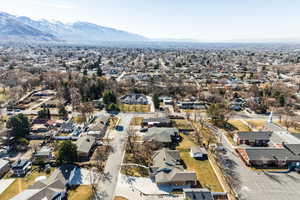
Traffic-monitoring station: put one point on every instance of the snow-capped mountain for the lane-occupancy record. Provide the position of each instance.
(80, 32)
(11, 29)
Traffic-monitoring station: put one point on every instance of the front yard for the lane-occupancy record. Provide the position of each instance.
(133, 170)
(239, 125)
(134, 108)
(136, 121)
(21, 184)
(82, 192)
(257, 123)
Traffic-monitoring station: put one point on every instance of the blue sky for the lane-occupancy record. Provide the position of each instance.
(208, 20)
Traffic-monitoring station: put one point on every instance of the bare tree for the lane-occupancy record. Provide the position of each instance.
(131, 139)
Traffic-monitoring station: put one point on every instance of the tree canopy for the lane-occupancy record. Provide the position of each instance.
(19, 125)
(109, 97)
(67, 152)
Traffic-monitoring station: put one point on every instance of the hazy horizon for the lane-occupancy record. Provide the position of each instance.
(194, 20)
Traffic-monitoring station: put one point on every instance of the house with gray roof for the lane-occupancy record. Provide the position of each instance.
(134, 99)
(288, 155)
(167, 169)
(203, 194)
(157, 121)
(258, 138)
(165, 137)
(52, 188)
(85, 145)
(21, 167)
(4, 167)
(99, 127)
(198, 152)
(44, 154)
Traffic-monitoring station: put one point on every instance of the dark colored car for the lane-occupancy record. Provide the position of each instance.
(119, 128)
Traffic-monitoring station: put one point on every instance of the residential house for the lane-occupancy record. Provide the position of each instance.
(164, 137)
(192, 105)
(286, 156)
(158, 122)
(167, 169)
(44, 154)
(52, 103)
(166, 100)
(4, 167)
(134, 99)
(259, 138)
(99, 127)
(203, 194)
(53, 188)
(85, 145)
(198, 152)
(67, 127)
(21, 167)
(39, 128)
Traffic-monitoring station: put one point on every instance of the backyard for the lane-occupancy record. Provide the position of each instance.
(205, 173)
(182, 124)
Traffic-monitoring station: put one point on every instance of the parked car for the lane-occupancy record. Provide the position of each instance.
(119, 128)
(143, 130)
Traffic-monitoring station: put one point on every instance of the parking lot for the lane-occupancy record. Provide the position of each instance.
(263, 185)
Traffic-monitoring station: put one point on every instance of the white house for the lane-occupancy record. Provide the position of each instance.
(198, 152)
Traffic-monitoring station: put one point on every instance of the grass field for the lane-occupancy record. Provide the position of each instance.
(185, 144)
(192, 111)
(21, 184)
(239, 125)
(291, 129)
(134, 108)
(205, 173)
(182, 124)
(120, 198)
(113, 122)
(136, 121)
(258, 124)
(82, 192)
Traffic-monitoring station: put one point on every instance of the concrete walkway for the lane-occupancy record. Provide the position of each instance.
(5, 183)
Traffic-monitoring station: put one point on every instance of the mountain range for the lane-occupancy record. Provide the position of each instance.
(21, 28)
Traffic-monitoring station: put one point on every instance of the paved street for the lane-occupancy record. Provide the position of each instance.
(113, 164)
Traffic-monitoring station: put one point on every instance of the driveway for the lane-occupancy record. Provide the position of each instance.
(133, 188)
